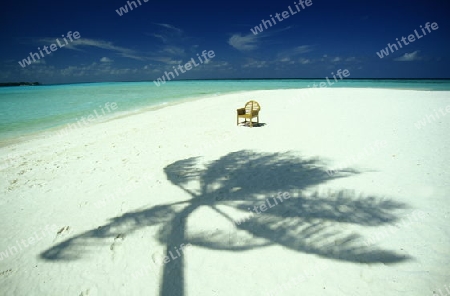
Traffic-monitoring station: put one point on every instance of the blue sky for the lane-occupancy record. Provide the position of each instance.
(145, 42)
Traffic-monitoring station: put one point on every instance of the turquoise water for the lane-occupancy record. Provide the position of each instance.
(25, 110)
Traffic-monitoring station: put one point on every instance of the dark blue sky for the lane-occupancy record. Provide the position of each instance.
(156, 36)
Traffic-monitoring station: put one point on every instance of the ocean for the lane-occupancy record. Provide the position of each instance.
(26, 110)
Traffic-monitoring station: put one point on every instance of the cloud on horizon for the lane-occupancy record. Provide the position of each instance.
(409, 57)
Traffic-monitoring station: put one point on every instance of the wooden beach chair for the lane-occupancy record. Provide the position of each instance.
(250, 111)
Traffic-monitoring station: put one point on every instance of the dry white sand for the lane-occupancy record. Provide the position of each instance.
(96, 211)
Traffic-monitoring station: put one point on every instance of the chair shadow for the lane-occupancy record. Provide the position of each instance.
(255, 124)
(245, 179)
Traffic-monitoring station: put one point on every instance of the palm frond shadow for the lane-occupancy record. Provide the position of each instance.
(239, 181)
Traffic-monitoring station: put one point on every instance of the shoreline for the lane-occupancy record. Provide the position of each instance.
(123, 114)
(5, 142)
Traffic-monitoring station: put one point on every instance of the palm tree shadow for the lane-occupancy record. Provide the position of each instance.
(233, 184)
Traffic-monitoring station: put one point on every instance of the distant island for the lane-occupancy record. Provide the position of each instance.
(3, 84)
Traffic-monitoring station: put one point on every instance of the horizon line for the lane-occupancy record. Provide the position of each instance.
(217, 79)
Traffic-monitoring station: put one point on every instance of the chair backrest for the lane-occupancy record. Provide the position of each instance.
(252, 107)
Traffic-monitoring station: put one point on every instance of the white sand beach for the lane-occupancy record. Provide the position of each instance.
(96, 212)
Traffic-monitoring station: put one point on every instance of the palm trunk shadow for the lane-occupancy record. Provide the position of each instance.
(173, 271)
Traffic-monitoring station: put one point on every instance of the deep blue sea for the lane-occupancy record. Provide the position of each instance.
(26, 110)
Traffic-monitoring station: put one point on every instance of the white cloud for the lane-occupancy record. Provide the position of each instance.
(302, 49)
(167, 26)
(304, 61)
(336, 59)
(40, 61)
(105, 60)
(93, 69)
(255, 64)
(159, 36)
(124, 52)
(215, 64)
(173, 50)
(166, 60)
(250, 42)
(287, 54)
(409, 57)
(173, 34)
(243, 43)
(119, 71)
